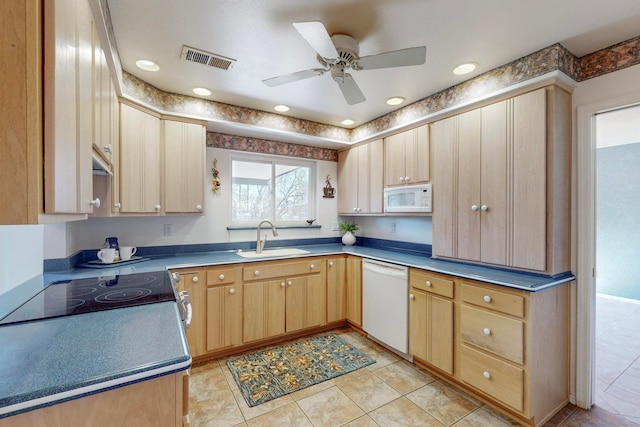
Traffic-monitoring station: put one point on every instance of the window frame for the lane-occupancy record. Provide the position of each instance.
(275, 160)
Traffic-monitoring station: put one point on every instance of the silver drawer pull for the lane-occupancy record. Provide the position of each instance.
(487, 298)
(486, 331)
(487, 375)
(232, 291)
(411, 296)
(256, 273)
(221, 277)
(428, 283)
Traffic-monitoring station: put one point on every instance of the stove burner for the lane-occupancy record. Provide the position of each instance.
(121, 295)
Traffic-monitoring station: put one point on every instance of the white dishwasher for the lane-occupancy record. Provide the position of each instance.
(385, 307)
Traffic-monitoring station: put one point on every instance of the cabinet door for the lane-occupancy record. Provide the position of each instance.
(304, 302)
(139, 161)
(394, 159)
(370, 177)
(68, 107)
(417, 156)
(444, 152)
(263, 309)
(418, 325)
(494, 166)
(529, 180)
(184, 154)
(336, 290)
(469, 184)
(224, 316)
(348, 181)
(354, 290)
(21, 192)
(441, 333)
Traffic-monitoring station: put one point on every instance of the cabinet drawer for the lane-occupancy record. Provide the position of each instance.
(493, 332)
(431, 283)
(493, 300)
(498, 379)
(221, 276)
(261, 271)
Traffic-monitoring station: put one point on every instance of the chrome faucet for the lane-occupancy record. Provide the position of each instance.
(260, 243)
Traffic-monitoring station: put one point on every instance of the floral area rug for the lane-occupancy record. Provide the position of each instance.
(271, 373)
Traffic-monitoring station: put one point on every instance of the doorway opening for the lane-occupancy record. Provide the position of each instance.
(617, 309)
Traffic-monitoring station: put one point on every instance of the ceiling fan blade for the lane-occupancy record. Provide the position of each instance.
(395, 58)
(317, 36)
(293, 77)
(350, 90)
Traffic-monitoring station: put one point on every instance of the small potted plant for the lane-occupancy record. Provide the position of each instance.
(348, 238)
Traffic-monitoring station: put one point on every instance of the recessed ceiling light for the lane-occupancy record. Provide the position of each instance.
(396, 100)
(464, 68)
(347, 122)
(201, 91)
(147, 65)
(281, 108)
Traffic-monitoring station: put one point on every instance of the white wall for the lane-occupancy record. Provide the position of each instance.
(209, 228)
(407, 229)
(21, 254)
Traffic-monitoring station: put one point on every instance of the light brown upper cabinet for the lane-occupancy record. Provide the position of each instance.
(184, 162)
(502, 183)
(21, 189)
(406, 157)
(360, 179)
(140, 161)
(68, 106)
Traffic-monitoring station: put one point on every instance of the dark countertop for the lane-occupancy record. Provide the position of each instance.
(58, 359)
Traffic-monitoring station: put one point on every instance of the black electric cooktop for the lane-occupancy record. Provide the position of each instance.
(79, 296)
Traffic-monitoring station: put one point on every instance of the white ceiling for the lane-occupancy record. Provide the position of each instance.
(259, 34)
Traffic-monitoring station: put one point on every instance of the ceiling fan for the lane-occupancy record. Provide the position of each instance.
(341, 52)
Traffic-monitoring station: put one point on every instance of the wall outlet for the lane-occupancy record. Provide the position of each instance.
(168, 229)
(335, 226)
(393, 227)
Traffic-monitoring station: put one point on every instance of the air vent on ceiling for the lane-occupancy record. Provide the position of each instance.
(206, 58)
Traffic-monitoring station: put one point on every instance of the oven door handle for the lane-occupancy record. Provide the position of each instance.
(185, 300)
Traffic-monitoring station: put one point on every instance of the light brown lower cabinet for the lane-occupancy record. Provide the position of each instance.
(282, 297)
(431, 319)
(336, 289)
(156, 402)
(354, 290)
(508, 347)
(224, 308)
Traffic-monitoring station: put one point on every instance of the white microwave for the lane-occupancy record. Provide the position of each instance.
(408, 198)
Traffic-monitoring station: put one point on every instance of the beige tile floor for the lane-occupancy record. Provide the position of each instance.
(391, 392)
(618, 356)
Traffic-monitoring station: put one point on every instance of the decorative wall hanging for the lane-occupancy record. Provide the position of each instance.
(216, 177)
(329, 191)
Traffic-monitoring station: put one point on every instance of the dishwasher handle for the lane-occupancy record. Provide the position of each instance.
(386, 269)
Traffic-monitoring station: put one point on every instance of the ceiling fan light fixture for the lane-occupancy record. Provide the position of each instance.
(465, 68)
(348, 122)
(201, 91)
(281, 108)
(395, 100)
(147, 65)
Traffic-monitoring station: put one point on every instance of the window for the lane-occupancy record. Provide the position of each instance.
(273, 188)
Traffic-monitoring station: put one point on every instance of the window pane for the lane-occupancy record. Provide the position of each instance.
(251, 191)
(292, 193)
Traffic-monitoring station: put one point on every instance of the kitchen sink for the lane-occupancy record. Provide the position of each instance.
(273, 252)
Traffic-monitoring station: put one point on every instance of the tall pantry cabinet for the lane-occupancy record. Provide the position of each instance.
(501, 183)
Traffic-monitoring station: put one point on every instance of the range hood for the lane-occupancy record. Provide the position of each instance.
(99, 166)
